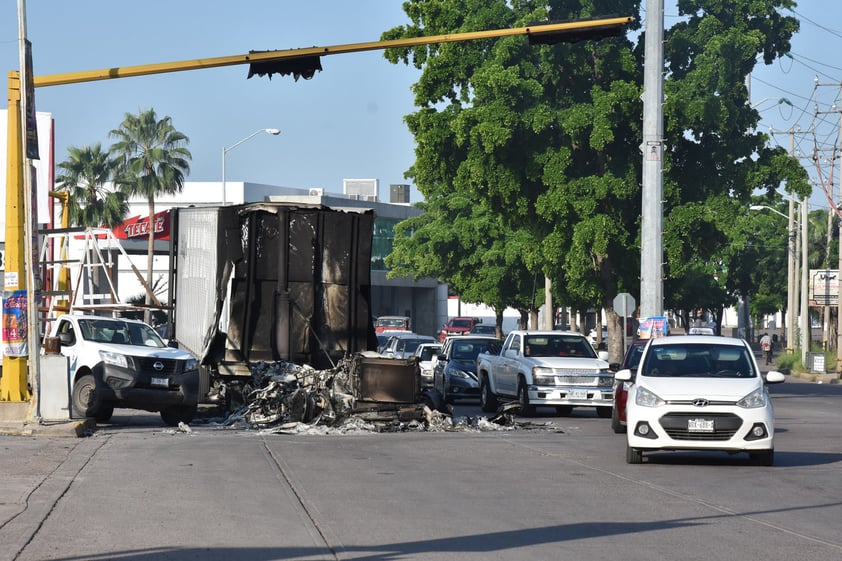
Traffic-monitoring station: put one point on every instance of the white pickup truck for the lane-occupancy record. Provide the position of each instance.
(547, 368)
(116, 362)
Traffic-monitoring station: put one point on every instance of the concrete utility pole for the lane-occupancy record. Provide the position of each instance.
(651, 233)
(834, 207)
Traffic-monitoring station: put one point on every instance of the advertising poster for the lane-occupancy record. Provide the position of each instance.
(14, 323)
(653, 327)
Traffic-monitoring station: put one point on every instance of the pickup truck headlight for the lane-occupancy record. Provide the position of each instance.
(191, 364)
(116, 359)
(645, 398)
(543, 376)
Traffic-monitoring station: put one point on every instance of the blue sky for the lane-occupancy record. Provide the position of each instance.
(347, 122)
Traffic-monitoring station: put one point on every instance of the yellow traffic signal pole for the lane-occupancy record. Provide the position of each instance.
(13, 385)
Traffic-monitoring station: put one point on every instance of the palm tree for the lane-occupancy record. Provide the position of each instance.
(85, 174)
(154, 160)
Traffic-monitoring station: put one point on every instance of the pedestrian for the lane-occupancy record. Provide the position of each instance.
(766, 347)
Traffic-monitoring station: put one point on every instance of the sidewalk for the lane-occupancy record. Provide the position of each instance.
(14, 422)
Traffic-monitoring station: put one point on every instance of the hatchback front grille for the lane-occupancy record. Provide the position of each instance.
(725, 425)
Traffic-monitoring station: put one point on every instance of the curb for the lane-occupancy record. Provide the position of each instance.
(74, 429)
(817, 377)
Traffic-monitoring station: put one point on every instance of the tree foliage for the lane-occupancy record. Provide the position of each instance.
(154, 160)
(537, 148)
(84, 175)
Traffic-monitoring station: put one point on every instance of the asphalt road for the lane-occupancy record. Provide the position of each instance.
(137, 490)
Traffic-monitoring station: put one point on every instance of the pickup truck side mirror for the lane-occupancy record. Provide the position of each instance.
(442, 357)
(511, 353)
(603, 355)
(65, 338)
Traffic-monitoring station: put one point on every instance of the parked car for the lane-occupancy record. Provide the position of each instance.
(484, 329)
(403, 345)
(697, 330)
(621, 389)
(457, 326)
(426, 354)
(698, 392)
(392, 323)
(383, 338)
(592, 336)
(455, 372)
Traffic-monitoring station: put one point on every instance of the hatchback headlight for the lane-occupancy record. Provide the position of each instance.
(754, 400)
(459, 373)
(645, 398)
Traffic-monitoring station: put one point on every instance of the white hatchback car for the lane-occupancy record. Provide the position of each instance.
(698, 392)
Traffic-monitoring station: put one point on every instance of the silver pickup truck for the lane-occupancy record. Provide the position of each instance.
(547, 368)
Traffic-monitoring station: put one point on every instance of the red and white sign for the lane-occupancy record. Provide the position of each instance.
(137, 227)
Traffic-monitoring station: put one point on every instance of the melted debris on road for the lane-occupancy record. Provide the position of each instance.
(287, 398)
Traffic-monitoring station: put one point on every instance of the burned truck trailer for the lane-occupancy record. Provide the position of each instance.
(266, 282)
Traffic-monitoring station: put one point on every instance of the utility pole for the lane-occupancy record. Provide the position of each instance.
(793, 251)
(834, 207)
(652, 212)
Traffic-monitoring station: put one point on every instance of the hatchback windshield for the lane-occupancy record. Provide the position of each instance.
(698, 361)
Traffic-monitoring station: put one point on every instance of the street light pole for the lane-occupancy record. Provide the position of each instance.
(274, 132)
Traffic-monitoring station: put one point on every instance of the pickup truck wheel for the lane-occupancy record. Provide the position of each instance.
(488, 400)
(523, 396)
(86, 401)
(178, 414)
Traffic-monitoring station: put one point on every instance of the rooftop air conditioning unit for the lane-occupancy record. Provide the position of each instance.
(370, 198)
(317, 192)
(354, 197)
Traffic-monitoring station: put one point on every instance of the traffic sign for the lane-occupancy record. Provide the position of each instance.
(624, 304)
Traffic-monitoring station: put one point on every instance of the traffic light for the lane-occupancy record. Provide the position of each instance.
(300, 67)
(578, 31)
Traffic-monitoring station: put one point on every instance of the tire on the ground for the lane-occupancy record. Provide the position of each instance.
(85, 400)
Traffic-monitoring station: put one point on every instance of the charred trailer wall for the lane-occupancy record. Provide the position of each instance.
(300, 285)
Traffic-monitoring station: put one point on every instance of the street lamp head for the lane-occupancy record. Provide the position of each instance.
(273, 131)
(756, 207)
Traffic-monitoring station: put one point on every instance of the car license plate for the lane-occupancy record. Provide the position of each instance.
(700, 425)
(160, 382)
(578, 394)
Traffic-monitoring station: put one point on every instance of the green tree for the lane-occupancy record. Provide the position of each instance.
(85, 175)
(154, 160)
(547, 138)
(536, 135)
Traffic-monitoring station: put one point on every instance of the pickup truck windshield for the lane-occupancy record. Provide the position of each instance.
(119, 332)
(557, 345)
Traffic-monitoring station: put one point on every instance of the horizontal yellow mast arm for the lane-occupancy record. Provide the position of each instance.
(196, 64)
